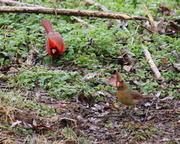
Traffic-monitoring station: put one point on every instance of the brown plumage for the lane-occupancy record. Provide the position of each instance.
(125, 94)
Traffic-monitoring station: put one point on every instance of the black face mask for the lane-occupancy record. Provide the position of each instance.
(56, 50)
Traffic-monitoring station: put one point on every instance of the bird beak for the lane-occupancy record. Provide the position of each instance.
(54, 51)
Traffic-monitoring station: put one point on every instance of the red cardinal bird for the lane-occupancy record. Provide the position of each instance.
(125, 94)
(55, 44)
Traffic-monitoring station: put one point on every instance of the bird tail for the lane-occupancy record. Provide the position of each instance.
(150, 96)
(47, 26)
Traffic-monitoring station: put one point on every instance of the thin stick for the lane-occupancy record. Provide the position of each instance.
(167, 110)
(102, 7)
(151, 62)
(130, 115)
(135, 34)
(70, 12)
(83, 22)
(143, 26)
(154, 29)
(55, 7)
(121, 116)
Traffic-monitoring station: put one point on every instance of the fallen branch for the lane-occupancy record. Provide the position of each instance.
(154, 29)
(10, 2)
(151, 62)
(70, 12)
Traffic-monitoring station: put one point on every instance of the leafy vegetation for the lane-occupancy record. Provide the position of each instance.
(90, 59)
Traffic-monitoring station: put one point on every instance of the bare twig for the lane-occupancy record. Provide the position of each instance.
(96, 4)
(143, 26)
(151, 62)
(83, 22)
(168, 110)
(55, 7)
(154, 29)
(134, 34)
(70, 12)
(121, 116)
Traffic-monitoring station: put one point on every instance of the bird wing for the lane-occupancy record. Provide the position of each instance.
(136, 95)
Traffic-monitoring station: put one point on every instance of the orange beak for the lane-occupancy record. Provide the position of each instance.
(54, 51)
(119, 84)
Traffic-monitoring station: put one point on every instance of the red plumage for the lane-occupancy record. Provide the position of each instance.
(54, 44)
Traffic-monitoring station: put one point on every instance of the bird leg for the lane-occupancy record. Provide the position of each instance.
(129, 113)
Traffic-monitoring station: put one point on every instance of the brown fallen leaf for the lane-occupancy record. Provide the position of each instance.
(42, 127)
(164, 61)
(172, 27)
(10, 133)
(3, 79)
(165, 10)
(39, 91)
(83, 98)
(166, 65)
(4, 69)
(129, 59)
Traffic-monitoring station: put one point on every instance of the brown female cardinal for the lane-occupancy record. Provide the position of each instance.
(125, 94)
(55, 44)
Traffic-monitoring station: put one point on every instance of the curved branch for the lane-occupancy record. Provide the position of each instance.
(11, 2)
(70, 12)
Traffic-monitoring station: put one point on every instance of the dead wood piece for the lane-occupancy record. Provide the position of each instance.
(10, 2)
(154, 29)
(70, 12)
(151, 63)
